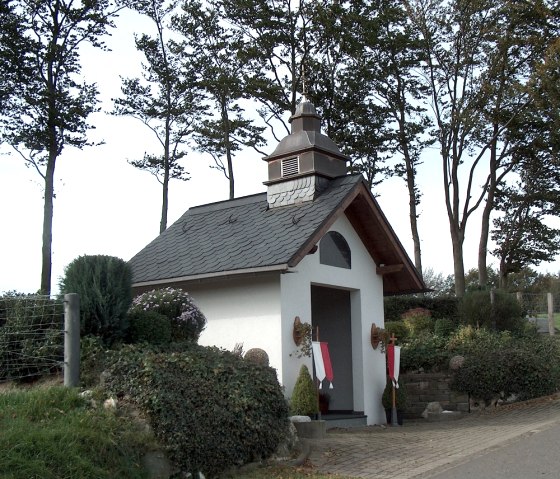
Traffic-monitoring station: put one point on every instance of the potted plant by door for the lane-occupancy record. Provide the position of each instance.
(304, 402)
(387, 400)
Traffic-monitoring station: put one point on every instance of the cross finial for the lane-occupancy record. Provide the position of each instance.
(303, 82)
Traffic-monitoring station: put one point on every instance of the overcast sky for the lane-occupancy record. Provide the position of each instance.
(105, 206)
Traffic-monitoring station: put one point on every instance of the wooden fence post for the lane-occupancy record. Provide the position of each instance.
(551, 328)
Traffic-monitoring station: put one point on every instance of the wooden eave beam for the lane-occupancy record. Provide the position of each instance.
(393, 268)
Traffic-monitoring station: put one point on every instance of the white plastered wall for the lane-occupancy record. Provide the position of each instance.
(242, 310)
(366, 300)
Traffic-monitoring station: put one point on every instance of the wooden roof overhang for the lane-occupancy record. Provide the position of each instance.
(362, 210)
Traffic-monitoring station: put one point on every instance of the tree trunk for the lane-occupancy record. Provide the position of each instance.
(503, 275)
(227, 144)
(458, 265)
(166, 166)
(412, 194)
(165, 201)
(46, 270)
(488, 207)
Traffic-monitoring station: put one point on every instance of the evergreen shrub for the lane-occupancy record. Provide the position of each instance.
(104, 285)
(304, 400)
(400, 395)
(209, 407)
(187, 321)
(148, 326)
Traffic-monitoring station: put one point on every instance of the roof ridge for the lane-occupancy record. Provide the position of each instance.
(225, 204)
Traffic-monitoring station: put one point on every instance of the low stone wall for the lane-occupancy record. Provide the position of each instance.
(423, 388)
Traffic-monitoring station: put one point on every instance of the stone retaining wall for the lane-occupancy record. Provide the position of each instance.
(423, 388)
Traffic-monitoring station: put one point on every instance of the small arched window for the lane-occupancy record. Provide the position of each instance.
(334, 251)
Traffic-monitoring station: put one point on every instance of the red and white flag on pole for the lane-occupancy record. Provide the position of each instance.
(394, 363)
(322, 360)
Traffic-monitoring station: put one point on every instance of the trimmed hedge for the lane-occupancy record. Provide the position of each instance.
(526, 369)
(211, 408)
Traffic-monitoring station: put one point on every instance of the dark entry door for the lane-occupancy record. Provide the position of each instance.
(330, 311)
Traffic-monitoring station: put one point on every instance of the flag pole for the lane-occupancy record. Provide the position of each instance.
(394, 418)
(318, 382)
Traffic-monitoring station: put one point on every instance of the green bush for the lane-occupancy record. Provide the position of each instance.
(397, 328)
(505, 314)
(209, 407)
(104, 285)
(445, 307)
(92, 360)
(427, 352)
(148, 326)
(468, 339)
(304, 400)
(400, 395)
(498, 364)
(31, 338)
(443, 327)
(418, 321)
(187, 321)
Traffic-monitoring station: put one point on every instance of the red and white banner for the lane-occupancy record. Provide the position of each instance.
(394, 363)
(322, 360)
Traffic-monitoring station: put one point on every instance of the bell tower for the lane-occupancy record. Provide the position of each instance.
(303, 162)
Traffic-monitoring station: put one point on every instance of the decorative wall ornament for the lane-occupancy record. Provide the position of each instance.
(375, 336)
(302, 337)
(379, 336)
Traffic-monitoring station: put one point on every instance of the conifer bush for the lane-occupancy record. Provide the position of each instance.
(104, 284)
(304, 400)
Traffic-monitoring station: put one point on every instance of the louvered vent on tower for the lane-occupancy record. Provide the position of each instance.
(290, 166)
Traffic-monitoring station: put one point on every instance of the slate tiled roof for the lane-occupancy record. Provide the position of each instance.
(237, 234)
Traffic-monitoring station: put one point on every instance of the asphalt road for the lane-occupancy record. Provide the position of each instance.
(534, 455)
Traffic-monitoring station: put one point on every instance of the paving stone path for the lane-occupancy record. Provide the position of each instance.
(421, 450)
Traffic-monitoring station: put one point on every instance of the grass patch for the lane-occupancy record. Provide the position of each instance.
(52, 434)
(280, 472)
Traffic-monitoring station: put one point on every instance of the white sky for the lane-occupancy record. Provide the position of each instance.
(105, 206)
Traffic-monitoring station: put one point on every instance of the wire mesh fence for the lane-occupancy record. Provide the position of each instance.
(31, 336)
(537, 304)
